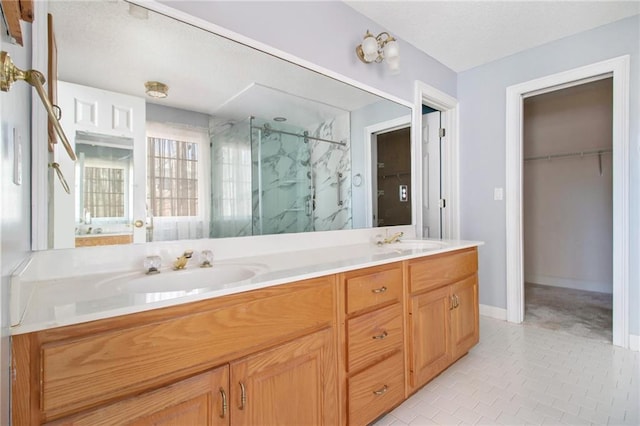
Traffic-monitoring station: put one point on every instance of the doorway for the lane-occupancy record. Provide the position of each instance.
(449, 209)
(619, 69)
(432, 201)
(393, 183)
(567, 193)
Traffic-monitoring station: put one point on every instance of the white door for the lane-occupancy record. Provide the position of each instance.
(107, 131)
(431, 217)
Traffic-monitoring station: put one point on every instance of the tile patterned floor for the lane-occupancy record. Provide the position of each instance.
(521, 375)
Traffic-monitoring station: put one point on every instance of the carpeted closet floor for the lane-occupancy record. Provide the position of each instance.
(577, 312)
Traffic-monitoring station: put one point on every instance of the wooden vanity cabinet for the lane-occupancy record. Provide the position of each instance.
(443, 317)
(276, 346)
(283, 385)
(293, 384)
(197, 400)
(372, 349)
(340, 349)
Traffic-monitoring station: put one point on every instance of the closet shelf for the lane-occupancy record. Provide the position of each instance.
(570, 154)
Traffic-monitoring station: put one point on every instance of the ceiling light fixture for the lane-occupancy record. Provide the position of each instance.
(280, 119)
(378, 48)
(155, 89)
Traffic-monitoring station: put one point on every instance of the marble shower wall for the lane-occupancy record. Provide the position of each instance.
(331, 174)
(271, 183)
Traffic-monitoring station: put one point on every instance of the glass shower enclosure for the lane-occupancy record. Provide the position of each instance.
(261, 178)
(282, 185)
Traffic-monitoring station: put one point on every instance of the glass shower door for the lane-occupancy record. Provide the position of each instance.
(281, 179)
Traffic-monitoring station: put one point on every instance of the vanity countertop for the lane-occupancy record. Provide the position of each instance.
(88, 297)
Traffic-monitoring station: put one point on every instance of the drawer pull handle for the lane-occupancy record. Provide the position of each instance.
(381, 391)
(380, 336)
(379, 290)
(224, 403)
(243, 396)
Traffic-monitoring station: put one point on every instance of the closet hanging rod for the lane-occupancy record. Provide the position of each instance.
(570, 154)
(266, 128)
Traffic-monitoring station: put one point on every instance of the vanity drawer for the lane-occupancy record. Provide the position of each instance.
(435, 271)
(371, 335)
(376, 390)
(373, 286)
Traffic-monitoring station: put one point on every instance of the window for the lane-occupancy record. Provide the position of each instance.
(177, 181)
(103, 181)
(235, 165)
(172, 177)
(104, 191)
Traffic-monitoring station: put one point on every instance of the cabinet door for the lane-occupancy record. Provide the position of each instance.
(194, 401)
(429, 335)
(292, 384)
(464, 317)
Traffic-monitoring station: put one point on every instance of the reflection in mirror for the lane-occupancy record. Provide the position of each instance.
(102, 184)
(244, 143)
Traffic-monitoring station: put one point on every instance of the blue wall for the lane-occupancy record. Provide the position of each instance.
(325, 33)
(482, 96)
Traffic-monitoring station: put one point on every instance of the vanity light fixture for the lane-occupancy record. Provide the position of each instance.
(155, 89)
(378, 48)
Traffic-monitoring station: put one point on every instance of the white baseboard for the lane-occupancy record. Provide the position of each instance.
(634, 342)
(493, 312)
(586, 285)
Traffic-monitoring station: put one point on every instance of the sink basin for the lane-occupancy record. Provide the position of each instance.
(407, 245)
(186, 280)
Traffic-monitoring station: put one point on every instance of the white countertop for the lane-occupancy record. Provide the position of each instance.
(71, 300)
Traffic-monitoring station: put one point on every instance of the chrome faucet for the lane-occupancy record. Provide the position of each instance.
(181, 262)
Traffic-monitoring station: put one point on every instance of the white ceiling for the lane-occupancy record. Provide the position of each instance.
(466, 34)
(100, 44)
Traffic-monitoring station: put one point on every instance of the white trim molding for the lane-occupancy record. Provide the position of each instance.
(634, 342)
(369, 171)
(493, 312)
(618, 68)
(434, 98)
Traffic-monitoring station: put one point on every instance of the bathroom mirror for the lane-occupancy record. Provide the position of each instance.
(232, 142)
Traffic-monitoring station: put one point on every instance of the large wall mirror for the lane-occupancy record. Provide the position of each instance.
(182, 134)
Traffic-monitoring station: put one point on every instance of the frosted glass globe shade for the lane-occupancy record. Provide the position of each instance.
(391, 50)
(370, 48)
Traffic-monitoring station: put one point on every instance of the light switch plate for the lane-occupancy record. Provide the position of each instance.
(498, 194)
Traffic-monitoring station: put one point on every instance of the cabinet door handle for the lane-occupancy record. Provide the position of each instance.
(223, 394)
(381, 336)
(379, 290)
(457, 301)
(381, 391)
(243, 396)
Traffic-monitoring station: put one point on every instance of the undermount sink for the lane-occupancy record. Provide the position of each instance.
(406, 245)
(184, 280)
